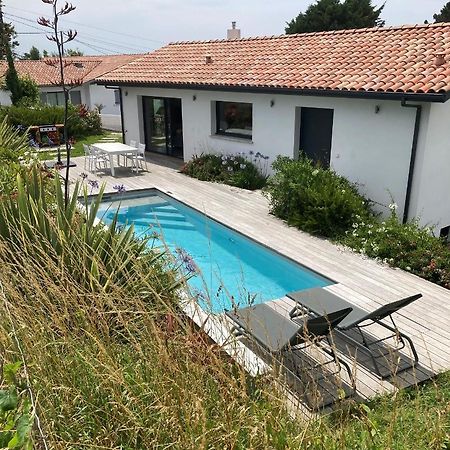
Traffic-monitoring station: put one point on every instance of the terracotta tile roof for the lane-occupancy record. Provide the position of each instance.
(397, 59)
(85, 68)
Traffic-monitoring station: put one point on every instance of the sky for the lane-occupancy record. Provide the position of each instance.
(137, 26)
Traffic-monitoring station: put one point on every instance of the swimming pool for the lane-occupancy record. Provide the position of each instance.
(226, 269)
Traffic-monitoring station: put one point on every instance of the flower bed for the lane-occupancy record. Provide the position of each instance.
(323, 203)
(247, 171)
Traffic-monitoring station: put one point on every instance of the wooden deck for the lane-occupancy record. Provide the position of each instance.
(361, 281)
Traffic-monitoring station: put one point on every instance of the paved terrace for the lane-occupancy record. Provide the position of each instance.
(363, 282)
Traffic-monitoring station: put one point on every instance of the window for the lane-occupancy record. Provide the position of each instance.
(117, 96)
(234, 119)
(55, 98)
(75, 97)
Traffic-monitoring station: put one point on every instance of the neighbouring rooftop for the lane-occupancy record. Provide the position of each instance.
(407, 60)
(77, 68)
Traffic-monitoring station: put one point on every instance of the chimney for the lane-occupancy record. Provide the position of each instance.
(234, 33)
(440, 59)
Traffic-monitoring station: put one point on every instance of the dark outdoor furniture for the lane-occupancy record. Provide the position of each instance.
(320, 301)
(281, 337)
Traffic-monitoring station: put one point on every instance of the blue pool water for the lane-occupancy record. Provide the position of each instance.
(227, 268)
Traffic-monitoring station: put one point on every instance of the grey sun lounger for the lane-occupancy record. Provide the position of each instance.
(278, 334)
(320, 301)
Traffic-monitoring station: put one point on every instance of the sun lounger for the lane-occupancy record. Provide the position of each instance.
(280, 336)
(321, 301)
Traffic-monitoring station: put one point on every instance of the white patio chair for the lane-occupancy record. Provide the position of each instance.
(88, 158)
(141, 161)
(128, 156)
(98, 159)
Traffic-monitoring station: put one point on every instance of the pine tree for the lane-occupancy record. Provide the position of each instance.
(328, 15)
(34, 54)
(444, 15)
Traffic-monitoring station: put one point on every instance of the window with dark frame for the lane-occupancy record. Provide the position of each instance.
(75, 97)
(117, 96)
(234, 119)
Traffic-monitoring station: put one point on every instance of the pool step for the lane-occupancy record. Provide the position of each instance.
(166, 209)
(164, 224)
(165, 216)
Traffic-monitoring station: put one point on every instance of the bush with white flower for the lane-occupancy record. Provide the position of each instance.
(408, 246)
(244, 170)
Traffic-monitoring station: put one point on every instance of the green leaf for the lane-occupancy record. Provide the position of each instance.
(10, 371)
(24, 427)
(8, 399)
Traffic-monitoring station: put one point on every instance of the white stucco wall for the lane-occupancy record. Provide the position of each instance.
(370, 149)
(431, 188)
(5, 98)
(102, 96)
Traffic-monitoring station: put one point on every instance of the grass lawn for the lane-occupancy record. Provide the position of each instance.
(77, 149)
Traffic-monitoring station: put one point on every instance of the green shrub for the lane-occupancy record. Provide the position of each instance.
(247, 172)
(29, 92)
(313, 199)
(16, 415)
(96, 257)
(81, 122)
(408, 246)
(14, 156)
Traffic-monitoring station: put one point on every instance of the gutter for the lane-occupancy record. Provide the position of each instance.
(119, 88)
(440, 97)
(413, 158)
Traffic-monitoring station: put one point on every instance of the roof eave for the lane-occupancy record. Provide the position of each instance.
(435, 97)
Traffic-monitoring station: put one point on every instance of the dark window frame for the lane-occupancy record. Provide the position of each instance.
(219, 132)
(72, 94)
(117, 96)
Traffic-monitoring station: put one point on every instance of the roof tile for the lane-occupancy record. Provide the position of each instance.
(85, 68)
(400, 59)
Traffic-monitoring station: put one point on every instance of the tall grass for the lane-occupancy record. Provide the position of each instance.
(111, 368)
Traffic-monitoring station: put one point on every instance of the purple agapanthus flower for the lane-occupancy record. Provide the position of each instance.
(93, 184)
(186, 259)
(120, 188)
(83, 175)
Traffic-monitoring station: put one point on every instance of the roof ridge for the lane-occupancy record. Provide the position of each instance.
(315, 33)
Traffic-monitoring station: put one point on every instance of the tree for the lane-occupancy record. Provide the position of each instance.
(73, 52)
(29, 92)
(11, 36)
(11, 78)
(444, 15)
(34, 54)
(328, 15)
(60, 39)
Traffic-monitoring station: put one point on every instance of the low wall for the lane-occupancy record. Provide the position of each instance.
(111, 122)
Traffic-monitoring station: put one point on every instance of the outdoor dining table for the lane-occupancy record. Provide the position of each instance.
(115, 148)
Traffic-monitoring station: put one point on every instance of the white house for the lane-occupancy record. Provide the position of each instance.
(80, 72)
(371, 103)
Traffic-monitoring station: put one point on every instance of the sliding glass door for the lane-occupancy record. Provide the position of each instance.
(163, 125)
